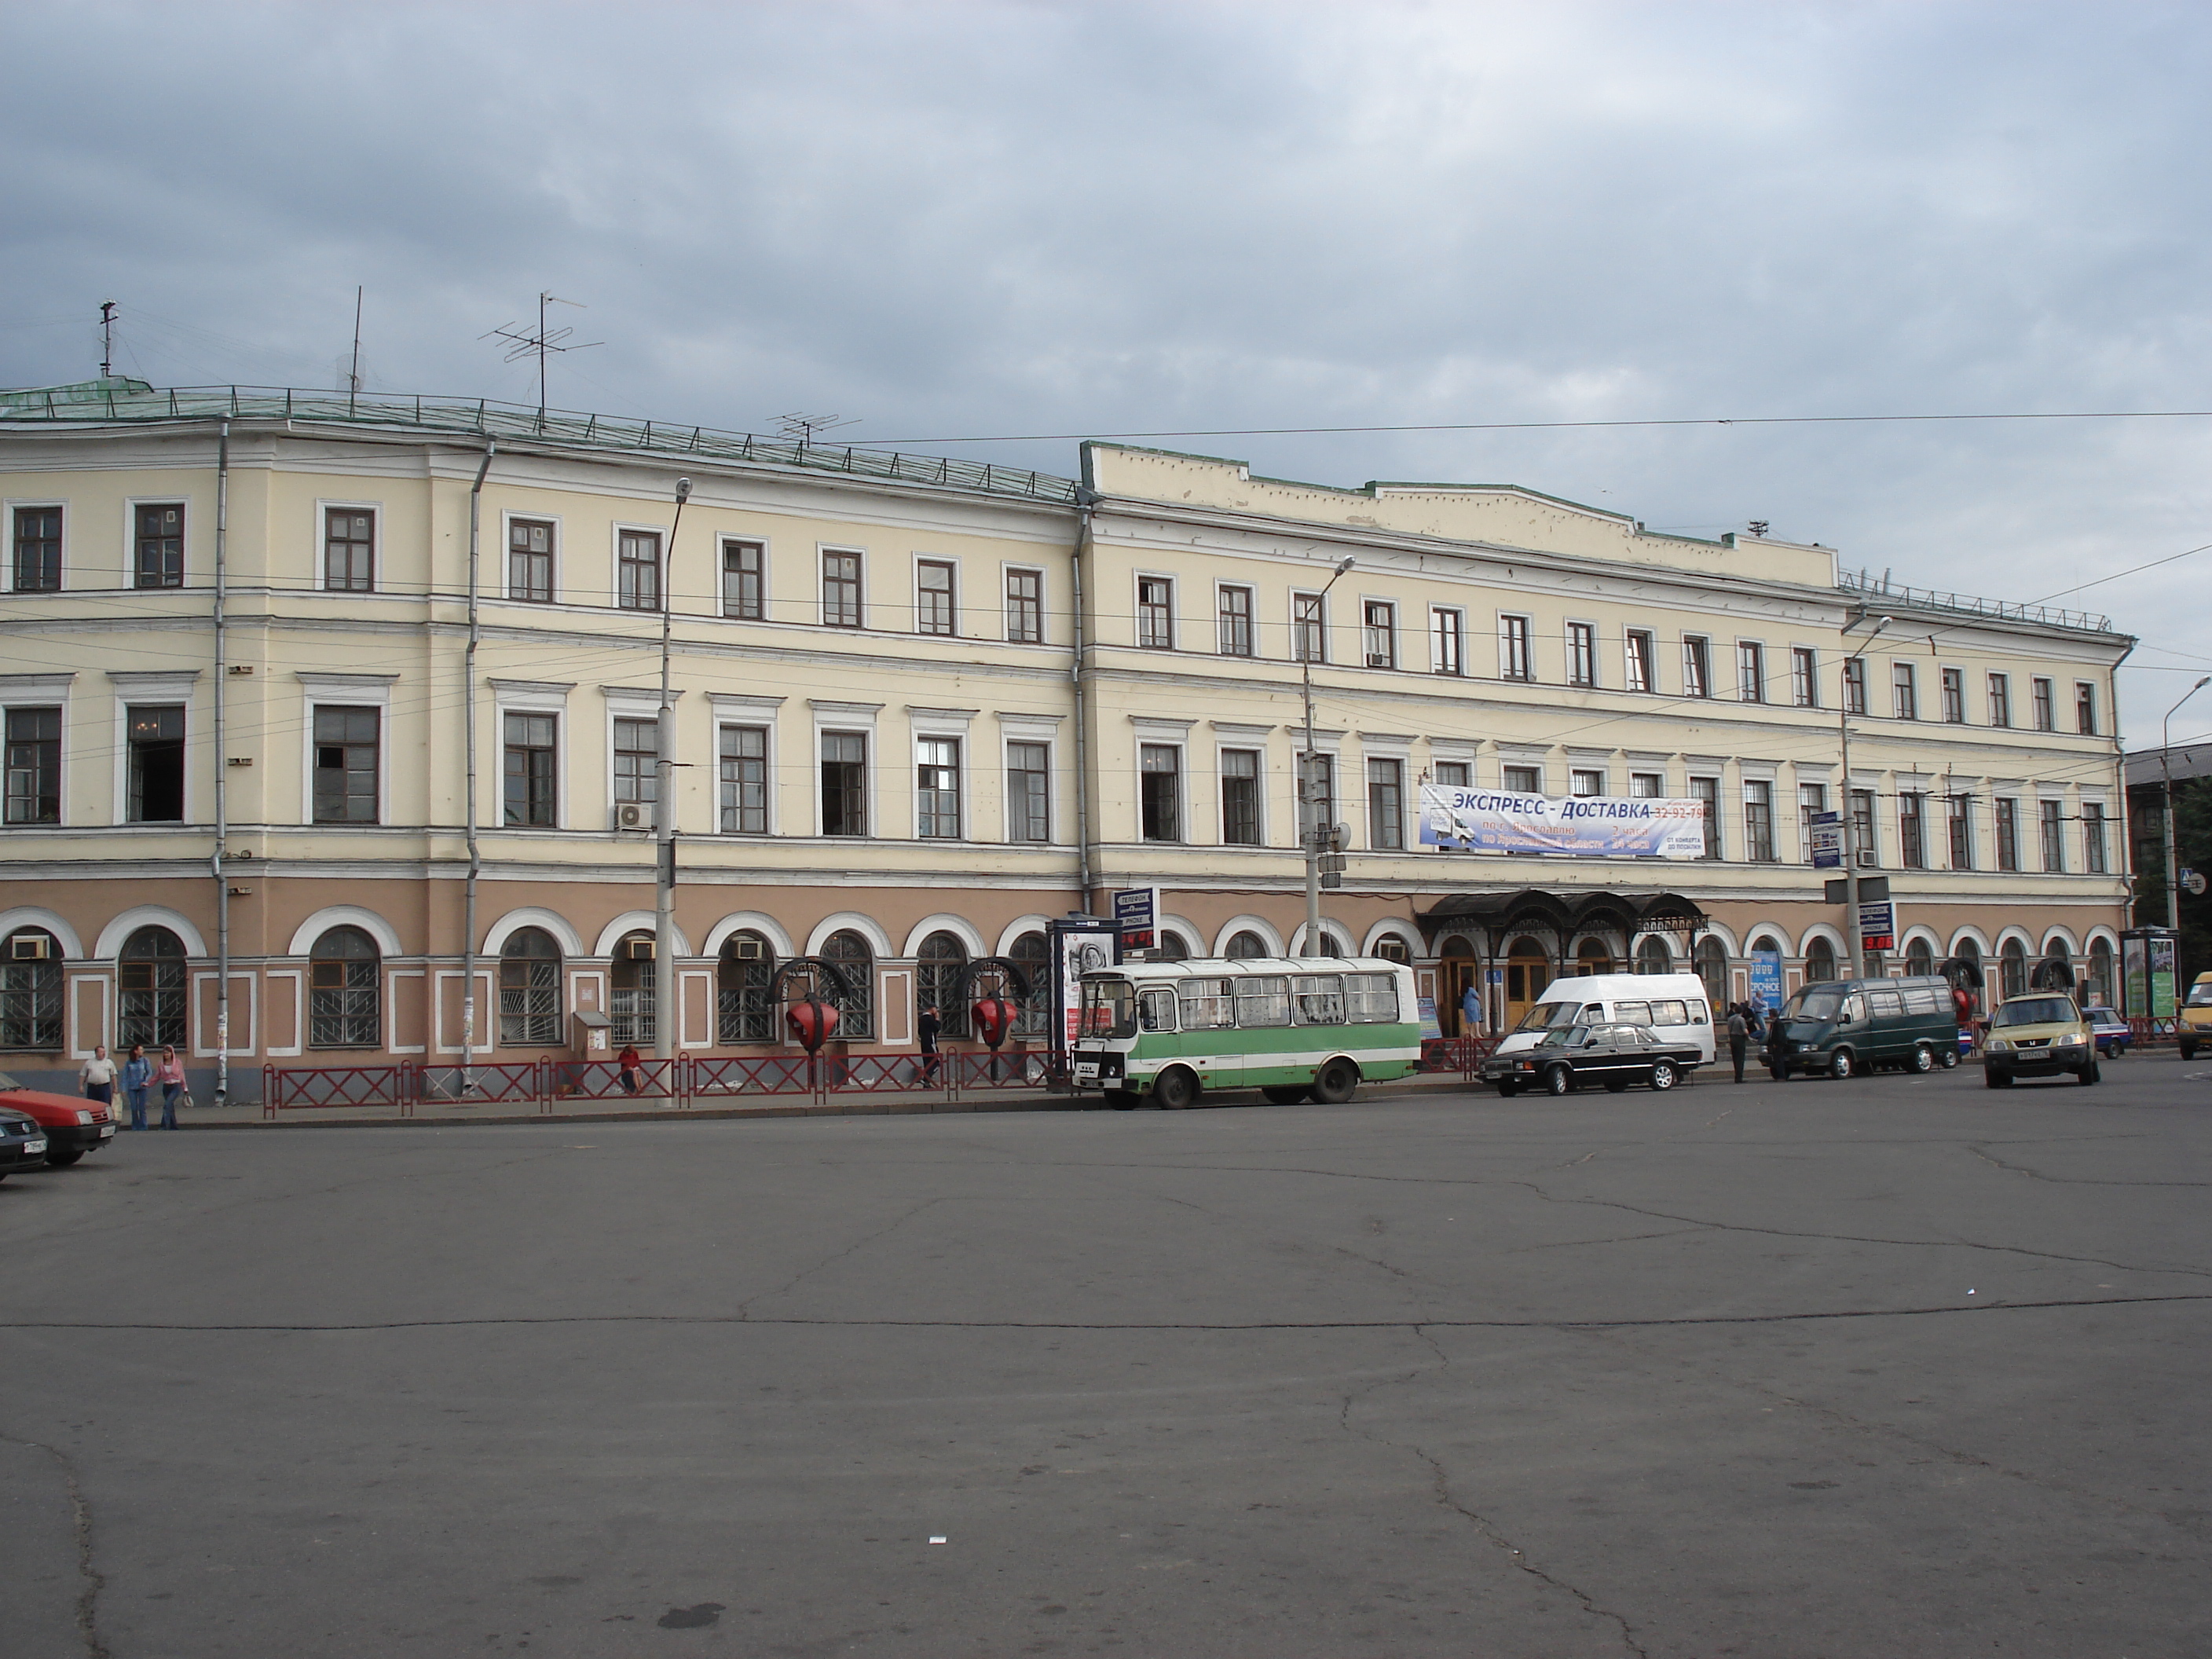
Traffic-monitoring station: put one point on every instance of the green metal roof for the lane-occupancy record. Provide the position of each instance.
(100, 403)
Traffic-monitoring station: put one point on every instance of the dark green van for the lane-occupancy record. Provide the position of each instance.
(1847, 1026)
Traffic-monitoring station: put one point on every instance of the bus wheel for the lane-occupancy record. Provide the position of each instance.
(1123, 1100)
(1287, 1095)
(1175, 1088)
(1333, 1084)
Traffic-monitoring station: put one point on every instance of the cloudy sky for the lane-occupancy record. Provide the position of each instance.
(961, 221)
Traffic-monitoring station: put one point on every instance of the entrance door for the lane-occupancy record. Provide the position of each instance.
(1528, 971)
(1460, 971)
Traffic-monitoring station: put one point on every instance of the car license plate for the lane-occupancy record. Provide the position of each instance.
(105, 1130)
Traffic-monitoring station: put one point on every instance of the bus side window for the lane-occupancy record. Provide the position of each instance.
(1854, 1009)
(1156, 1011)
(1697, 1013)
(1669, 1013)
(1632, 1013)
(1263, 1000)
(1321, 999)
(1370, 998)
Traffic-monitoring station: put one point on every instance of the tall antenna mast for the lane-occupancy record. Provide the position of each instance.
(539, 345)
(353, 374)
(106, 339)
(804, 427)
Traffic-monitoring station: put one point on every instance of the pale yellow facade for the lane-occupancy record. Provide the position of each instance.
(1034, 805)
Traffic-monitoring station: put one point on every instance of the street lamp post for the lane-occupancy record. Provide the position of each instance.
(2166, 772)
(1852, 935)
(1315, 832)
(665, 1002)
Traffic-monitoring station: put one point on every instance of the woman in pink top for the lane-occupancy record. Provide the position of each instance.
(170, 1074)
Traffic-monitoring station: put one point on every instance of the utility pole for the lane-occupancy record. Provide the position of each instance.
(106, 339)
(2165, 771)
(665, 1009)
(1316, 835)
(1849, 818)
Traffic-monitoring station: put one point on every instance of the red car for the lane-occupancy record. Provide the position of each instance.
(73, 1127)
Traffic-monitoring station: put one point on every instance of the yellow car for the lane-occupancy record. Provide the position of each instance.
(2195, 1026)
(2038, 1036)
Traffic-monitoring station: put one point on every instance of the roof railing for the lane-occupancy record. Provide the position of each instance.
(482, 417)
(1922, 599)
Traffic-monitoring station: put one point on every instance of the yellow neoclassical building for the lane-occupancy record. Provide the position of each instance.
(922, 708)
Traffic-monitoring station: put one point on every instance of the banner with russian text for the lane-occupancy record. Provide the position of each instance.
(1581, 826)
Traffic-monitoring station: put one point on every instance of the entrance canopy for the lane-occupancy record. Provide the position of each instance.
(1500, 914)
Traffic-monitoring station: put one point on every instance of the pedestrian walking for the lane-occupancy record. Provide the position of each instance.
(170, 1074)
(1739, 1034)
(927, 1027)
(99, 1076)
(627, 1063)
(137, 1073)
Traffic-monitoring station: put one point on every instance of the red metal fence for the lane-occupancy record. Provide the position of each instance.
(1463, 1054)
(691, 1081)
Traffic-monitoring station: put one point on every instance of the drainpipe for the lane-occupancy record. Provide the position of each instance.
(1085, 501)
(221, 765)
(475, 856)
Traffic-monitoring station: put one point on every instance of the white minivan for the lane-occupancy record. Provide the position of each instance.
(1672, 1005)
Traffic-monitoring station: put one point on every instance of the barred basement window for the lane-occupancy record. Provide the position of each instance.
(530, 989)
(742, 977)
(857, 1013)
(344, 1007)
(31, 990)
(150, 989)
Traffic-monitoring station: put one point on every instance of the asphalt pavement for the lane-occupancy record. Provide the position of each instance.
(1891, 1366)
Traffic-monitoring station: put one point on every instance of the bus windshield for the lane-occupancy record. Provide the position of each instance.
(1820, 1002)
(2200, 996)
(1545, 1015)
(1109, 1008)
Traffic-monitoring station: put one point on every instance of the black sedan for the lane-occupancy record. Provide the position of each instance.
(1572, 1056)
(22, 1142)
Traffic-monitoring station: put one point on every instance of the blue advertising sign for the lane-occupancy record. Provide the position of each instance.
(1766, 980)
(1137, 913)
(1827, 840)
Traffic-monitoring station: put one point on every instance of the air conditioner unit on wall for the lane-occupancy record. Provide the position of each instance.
(748, 949)
(1378, 659)
(632, 815)
(1865, 861)
(637, 949)
(35, 947)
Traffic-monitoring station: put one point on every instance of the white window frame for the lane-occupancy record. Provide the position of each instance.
(1596, 679)
(630, 703)
(914, 563)
(858, 718)
(614, 564)
(1298, 598)
(723, 538)
(61, 503)
(508, 515)
(1505, 648)
(1254, 745)
(1251, 592)
(1650, 637)
(1757, 647)
(1396, 650)
(332, 691)
(821, 551)
(127, 572)
(1008, 570)
(324, 506)
(1179, 742)
(1458, 615)
(941, 724)
(731, 708)
(533, 697)
(1137, 581)
(1707, 692)
(45, 691)
(133, 689)
(1012, 731)
(1813, 668)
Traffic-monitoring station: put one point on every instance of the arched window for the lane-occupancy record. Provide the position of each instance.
(1593, 955)
(1172, 946)
(743, 1012)
(150, 989)
(2098, 981)
(856, 1014)
(1244, 945)
(1331, 945)
(937, 974)
(1819, 959)
(1710, 960)
(1391, 948)
(1032, 953)
(1919, 959)
(634, 1002)
(343, 1008)
(530, 989)
(31, 990)
(1653, 956)
(2012, 965)
(1766, 943)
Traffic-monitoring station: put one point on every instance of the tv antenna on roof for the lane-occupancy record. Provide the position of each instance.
(106, 339)
(521, 344)
(804, 427)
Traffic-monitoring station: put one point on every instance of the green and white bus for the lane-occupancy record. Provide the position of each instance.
(1307, 1028)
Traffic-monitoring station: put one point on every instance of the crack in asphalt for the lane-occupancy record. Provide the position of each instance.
(2073, 1180)
(1661, 1322)
(88, 1599)
(1441, 1491)
(744, 1307)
